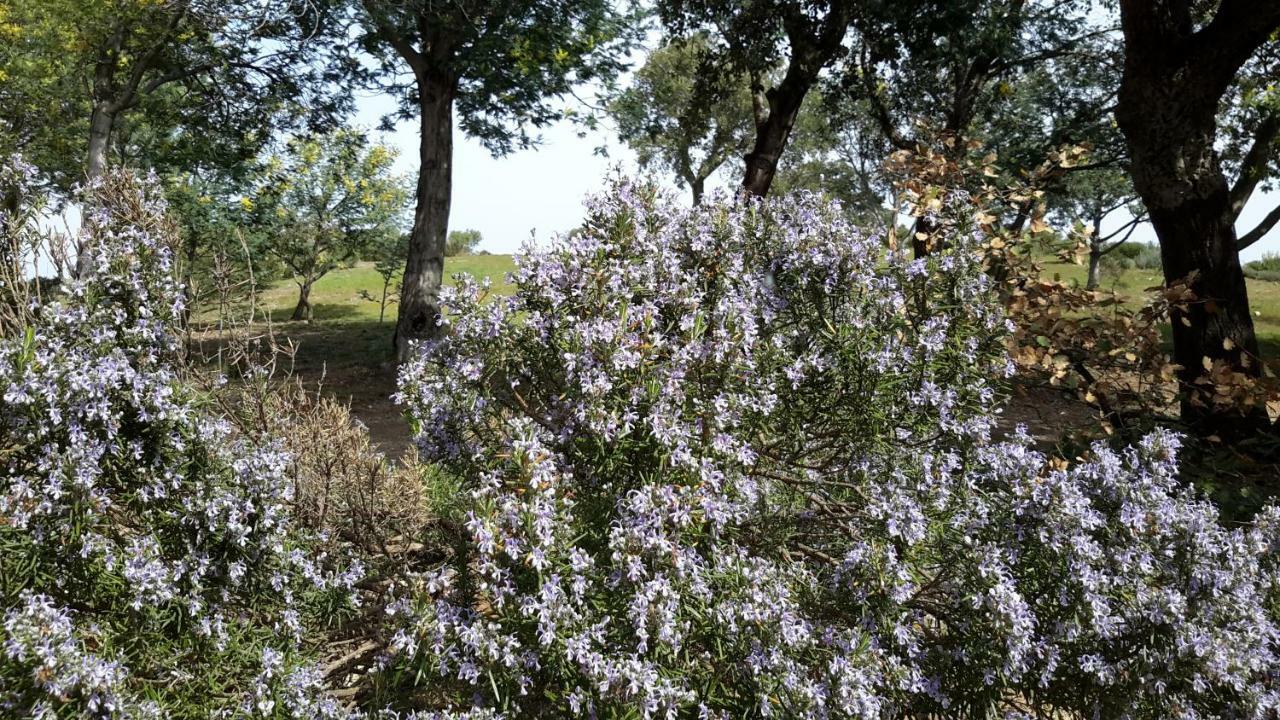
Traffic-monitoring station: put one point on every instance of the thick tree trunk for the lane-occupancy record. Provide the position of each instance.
(772, 132)
(419, 312)
(303, 310)
(1168, 116)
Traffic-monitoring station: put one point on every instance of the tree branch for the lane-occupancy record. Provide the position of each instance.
(143, 63)
(416, 61)
(879, 110)
(1254, 166)
(1132, 225)
(1259, 230)
(1237, 29)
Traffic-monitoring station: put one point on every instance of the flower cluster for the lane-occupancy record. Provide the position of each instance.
(41, 639)
(120, 497)
(737, 461)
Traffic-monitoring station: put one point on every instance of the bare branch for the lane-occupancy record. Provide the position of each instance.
(1260, 230)
(1254, 166)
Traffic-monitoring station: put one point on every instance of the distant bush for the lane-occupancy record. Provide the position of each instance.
(462, 242)
(1147, 257)
(1266, 268)
(735, 461)
(1132, 255)
(1128, 251)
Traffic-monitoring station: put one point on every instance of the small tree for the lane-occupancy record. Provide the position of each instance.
(324, 201)
(388, 254)
(462, 242)
(1091, 197)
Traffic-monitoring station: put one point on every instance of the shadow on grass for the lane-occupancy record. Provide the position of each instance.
(320, 312)
(352, 361)
(340, 345)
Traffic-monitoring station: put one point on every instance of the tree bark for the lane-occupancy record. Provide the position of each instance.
(773, 128)
(101, 123)
(812, 47)
(697, 186)
(303, 310)
(419, 311)
(1174, 79)
(1095, 268)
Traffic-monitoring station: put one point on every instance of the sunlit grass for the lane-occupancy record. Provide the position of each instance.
(336, 298)
(338, 295)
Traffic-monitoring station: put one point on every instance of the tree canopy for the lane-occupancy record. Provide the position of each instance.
(170, 84)
(504, 66)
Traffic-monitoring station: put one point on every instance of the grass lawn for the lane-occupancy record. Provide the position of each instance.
(336, 296)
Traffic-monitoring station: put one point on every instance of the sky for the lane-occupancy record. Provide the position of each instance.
(536, 191)
(541, 190)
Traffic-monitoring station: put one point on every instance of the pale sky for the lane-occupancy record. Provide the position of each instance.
(506, 198)
(542, 189)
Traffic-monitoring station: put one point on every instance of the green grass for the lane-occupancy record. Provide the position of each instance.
(336, 296)
(1264, 296)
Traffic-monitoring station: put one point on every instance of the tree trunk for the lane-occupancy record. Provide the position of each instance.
(100, 125)
(1168, 116)
(1095, 268)
(697, 185)
(101, 122)
(923, 246)
(419, 312)
(772, 131)
(1095, 256)
(303, 310)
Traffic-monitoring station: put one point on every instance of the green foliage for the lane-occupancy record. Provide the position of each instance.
(462, 242)
(323, 201)
(1143, 256)
(388, 254)
(506, 62)
(42, 111)
(219, 250)
(1148, 257)
(671, 129)
(176, 85)
(1266, 268)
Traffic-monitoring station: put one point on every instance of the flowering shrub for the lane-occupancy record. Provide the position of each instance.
(735, 461)
(146, 553)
